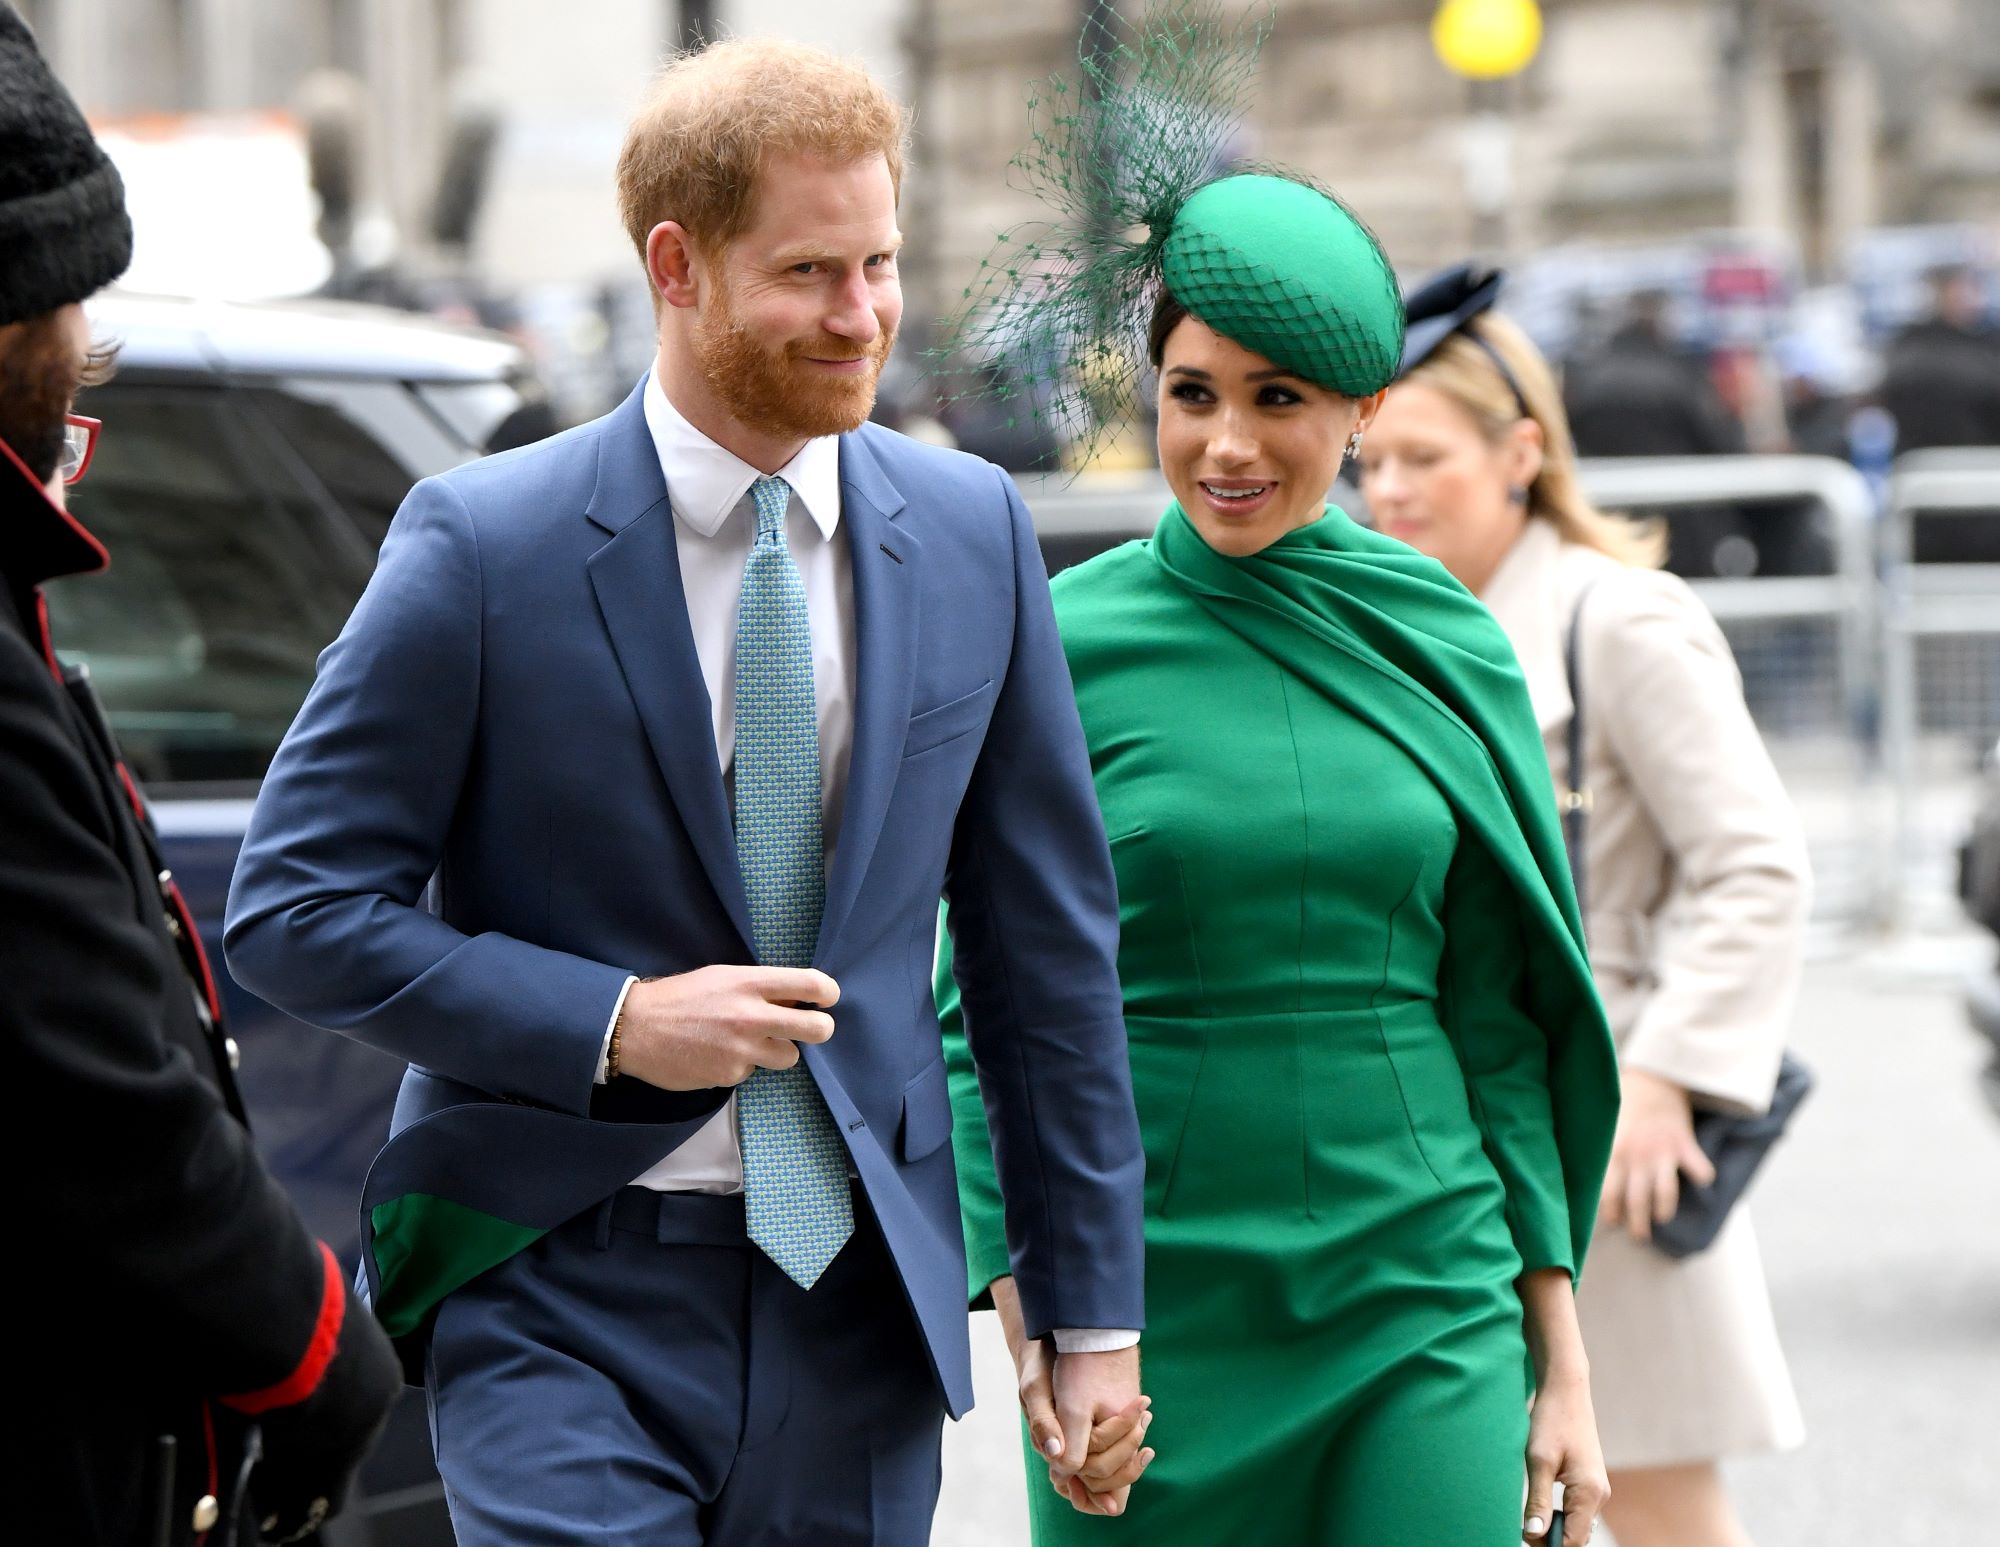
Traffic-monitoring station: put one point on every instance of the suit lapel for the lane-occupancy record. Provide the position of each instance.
(887, 569)
(637, 578)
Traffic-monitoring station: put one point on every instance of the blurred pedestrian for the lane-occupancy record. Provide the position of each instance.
(1638, 396)
(178, 1312)
(1694, 870)
(1941, 377)
(693, 711)
(1373, 1077)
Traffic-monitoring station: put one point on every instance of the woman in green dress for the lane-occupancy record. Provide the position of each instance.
(1374, 1082)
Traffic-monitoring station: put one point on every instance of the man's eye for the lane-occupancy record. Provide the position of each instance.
(804, 268)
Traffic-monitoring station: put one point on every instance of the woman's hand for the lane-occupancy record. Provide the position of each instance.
(1117, 1454)
(1653, 1146)
(1563, 1448)
(1562, 1424)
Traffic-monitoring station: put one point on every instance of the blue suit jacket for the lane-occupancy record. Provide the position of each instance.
(516, 707)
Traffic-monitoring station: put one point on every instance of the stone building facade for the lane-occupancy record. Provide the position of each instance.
(1795, 122)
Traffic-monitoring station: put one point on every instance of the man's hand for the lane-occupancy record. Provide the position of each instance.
(719, 1025)
(1654, 1144)
(1090, 1389)
(1118, 1457)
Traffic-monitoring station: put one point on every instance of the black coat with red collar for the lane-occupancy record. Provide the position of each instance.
(164, 1284)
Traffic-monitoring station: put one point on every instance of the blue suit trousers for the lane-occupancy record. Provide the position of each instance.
(645, 1375)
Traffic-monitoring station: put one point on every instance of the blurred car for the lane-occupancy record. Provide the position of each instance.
(1979, 890)
(250, 461)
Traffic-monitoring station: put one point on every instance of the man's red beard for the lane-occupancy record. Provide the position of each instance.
(39, 376)
(778, 390)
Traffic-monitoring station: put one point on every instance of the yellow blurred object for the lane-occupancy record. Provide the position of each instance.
(1486, 39)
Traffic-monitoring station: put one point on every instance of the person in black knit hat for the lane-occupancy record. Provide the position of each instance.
(180, 1321)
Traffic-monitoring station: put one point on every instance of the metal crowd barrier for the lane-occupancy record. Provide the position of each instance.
(1805, 643)
(1941, 668)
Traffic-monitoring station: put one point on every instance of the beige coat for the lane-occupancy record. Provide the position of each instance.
(1698, 894)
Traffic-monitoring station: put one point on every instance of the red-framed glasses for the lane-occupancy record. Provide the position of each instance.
(79, 446)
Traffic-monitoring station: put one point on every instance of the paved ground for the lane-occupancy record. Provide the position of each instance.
(1880, 1222)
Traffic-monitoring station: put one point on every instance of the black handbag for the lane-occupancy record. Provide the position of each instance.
(1735, 1145)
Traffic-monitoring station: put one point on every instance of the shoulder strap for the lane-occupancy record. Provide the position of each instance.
(1576, 791)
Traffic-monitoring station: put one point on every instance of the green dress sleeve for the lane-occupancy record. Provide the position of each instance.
(1484, 1006)
(978, 1183)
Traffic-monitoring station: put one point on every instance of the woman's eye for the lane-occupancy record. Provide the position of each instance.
(1188, 392)
(1278, 397)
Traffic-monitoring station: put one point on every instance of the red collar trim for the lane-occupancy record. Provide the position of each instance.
(45, 540)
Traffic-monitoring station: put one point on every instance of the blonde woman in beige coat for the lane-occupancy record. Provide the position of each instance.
(1697, 891)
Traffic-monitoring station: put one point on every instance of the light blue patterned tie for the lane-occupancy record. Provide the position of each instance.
(795, 1190)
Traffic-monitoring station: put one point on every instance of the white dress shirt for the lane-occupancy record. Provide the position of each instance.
(714, 523)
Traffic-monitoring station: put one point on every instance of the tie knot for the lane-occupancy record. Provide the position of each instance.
(773, 496)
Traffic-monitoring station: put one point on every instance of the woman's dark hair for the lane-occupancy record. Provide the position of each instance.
(1168, 314)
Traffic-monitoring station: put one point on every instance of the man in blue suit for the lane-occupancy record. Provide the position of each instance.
(621, 810)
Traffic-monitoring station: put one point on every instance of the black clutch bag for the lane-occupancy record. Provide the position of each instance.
(1735, 1145)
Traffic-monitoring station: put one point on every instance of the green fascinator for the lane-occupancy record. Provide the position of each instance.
(1139, 167)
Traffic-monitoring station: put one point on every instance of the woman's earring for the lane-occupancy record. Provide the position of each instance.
(1354, 446)
(1517, 494)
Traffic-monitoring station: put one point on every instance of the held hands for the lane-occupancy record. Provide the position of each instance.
(717, 1025)
(1084, 1412)
(1090, 1421)
(1653, 1146)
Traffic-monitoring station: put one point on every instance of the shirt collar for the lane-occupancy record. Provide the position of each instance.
(705, 482)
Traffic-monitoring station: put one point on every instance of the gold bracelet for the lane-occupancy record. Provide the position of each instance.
(617, 1032)
(612, 1048)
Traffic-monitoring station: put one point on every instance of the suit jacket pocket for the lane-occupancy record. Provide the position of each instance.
(934, 727)
(926, 1114)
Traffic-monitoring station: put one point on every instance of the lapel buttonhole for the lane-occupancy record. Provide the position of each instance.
(891, 552)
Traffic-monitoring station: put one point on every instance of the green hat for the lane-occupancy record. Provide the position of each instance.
(1284, 270)
(1140, 169)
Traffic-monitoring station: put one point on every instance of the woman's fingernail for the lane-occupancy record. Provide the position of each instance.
(1534, 1525)
(1053, 1447)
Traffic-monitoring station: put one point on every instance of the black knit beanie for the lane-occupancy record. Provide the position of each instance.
(64, 233)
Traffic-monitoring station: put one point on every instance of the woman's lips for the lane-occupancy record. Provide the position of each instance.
(1235, 498)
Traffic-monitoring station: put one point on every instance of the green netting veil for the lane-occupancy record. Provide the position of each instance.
(1140, 170)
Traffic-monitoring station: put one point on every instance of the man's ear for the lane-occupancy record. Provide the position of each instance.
(673, 265)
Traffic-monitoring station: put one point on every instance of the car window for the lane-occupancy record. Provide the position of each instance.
(229, 569)
(361, 443)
